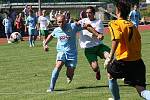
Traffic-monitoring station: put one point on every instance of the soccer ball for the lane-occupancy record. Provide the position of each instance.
(15, 37)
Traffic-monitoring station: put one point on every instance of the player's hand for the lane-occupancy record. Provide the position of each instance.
(100, 37)
(107, 62)
(39, 37)
(46, 48)
(85, 26)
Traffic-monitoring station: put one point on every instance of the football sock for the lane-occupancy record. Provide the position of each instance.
(113, 86)
(146, 94)
(54, 77)
(30, 41)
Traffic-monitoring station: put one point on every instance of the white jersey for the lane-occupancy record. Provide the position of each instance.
(44, 22)
(86, 38)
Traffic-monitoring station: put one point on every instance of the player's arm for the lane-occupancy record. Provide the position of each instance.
(26, 25)
(48, 39)
(114, 46)
(92, 30)
(110, 58)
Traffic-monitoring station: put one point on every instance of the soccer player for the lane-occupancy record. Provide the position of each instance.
(135, 16)
(7, 22)
(126, 46)
(93, 46)
(66, 48)
(43, 23)
(31, 22)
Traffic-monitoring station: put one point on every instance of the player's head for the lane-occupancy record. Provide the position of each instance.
(82, 14)
(135, 7)
(30, 12)
(123, 9)
(6, 15)
(43, 12)
(61, 21)
(90, 12)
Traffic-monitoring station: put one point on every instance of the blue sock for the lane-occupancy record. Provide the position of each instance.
(30, 40)
(54, 77)
(113, 86)
(146, 94)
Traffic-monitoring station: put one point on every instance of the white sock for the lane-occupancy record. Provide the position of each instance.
(146, 94)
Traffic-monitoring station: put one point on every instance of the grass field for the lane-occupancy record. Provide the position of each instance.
(25, 74)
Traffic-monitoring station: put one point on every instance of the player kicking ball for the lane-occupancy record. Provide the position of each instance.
(66, 48)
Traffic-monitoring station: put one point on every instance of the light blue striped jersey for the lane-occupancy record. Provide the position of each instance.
(66, 38)
(31, 22)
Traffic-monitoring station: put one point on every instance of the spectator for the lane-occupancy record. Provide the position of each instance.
(19, 23)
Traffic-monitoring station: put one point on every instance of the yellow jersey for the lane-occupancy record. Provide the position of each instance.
(129, 47)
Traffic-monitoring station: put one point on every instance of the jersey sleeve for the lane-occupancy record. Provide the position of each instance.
(130, 14)
(38, 20)
(115, 30)
(76, 27)
(54, 33)
(27, 21)
(100, 26)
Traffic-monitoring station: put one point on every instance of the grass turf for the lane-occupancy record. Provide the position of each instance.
(25, 74)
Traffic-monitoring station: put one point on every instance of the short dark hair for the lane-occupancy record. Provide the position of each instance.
(124, 8)
(92, 8)
(31, 11)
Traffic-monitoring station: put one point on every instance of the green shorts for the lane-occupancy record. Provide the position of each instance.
(92, 53)
(44, 32)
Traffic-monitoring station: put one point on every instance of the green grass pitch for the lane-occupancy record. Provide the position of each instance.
(25, 74)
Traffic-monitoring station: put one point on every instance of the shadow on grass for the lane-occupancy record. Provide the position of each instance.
(90, 87)
(84, 87)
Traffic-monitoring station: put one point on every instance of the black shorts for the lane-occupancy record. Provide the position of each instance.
(133, 71)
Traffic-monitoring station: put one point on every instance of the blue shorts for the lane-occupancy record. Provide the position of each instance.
(8, 30)
(32, 32)
(70, 60)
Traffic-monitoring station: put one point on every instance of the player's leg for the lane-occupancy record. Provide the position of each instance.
(139, 80)
(113, 87)
(71, 65)
(94, 65)
(70, 74)
(115, 71)
(33, 37)
(30, 37)
(91, 56)
(7, 34)
(54, 75)
(103, 51)
(42, 32)
(143, 92)
(46, 33)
